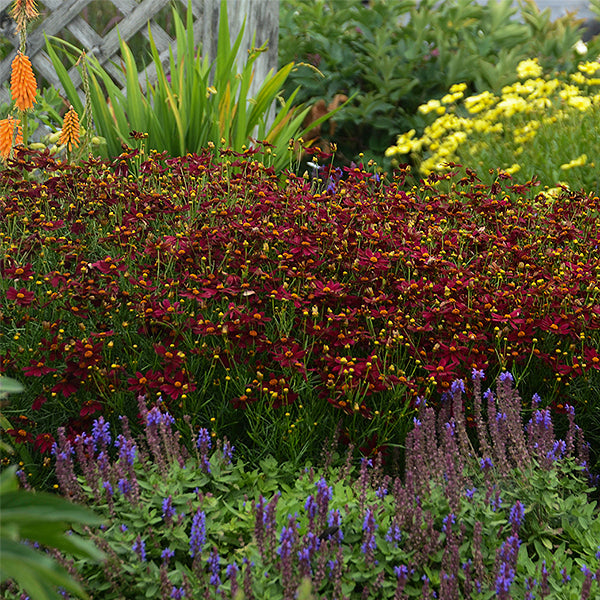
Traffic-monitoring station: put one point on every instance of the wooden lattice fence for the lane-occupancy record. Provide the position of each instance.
(56, 16)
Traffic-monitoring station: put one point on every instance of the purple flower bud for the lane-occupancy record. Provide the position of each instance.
(101, 433)
(470, 493)
(198, 533)
(517, 514)
(167, 554)
(449, 520)
(108, 487)
(478, 374)
(504, 579)
(228, 452)
(310, 506)
(394, 535)
(204, 443)
(155, 417)
(168, 512)
(127, 449)
(177, 593)
(124, 486)
(401, 572)
(457, 387)
(213, 563)
(139, 547)
(542, 417)
(558, 449)
(485, 463)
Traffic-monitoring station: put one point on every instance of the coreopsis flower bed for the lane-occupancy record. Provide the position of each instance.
(271, 307)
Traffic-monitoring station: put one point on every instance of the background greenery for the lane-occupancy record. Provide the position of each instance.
(397, 55)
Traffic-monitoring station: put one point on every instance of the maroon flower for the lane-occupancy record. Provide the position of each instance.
(20, 435)
(39, 402)
(143, 382)
(21, 296)
(44, 443)
(17, 272)
(108, 265)
(176, 384)
(90, 407)
(37, 369)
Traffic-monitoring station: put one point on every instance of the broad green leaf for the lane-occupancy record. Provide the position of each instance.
(135, 101)
(10, 386)
(35, 572)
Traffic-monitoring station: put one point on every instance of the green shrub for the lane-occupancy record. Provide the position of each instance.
(539, 127)
(397, 55)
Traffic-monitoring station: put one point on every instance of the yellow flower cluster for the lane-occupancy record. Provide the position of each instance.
(516, 117)
(529, 68)
(576, 162)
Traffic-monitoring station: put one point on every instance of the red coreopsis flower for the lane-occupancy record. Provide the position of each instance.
(39, 402)
(290, 355)
(108, 265)
(558, 325)
(90, 407)
(174, 358)
(23, 273)
(44, 443)
(591, 358)
(21, 296)
(329, 288)
(143, 382)
(37, 369)
(177, 384)
(20, 436)
(66, 386)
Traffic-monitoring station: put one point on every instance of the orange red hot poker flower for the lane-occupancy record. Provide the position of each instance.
(22, 82)
(10, 135)
(70, 129)
(23, 11)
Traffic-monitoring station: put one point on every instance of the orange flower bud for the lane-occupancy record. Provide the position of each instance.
(8, 135)
(70, 129)
(22, 82)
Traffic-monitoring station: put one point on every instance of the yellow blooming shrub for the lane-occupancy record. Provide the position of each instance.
(542, 127)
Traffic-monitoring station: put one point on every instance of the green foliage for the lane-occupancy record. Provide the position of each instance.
(43, 519)
(26, 518)
(7, 386)
(194, 104)
(396, 55)
(40, 518)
